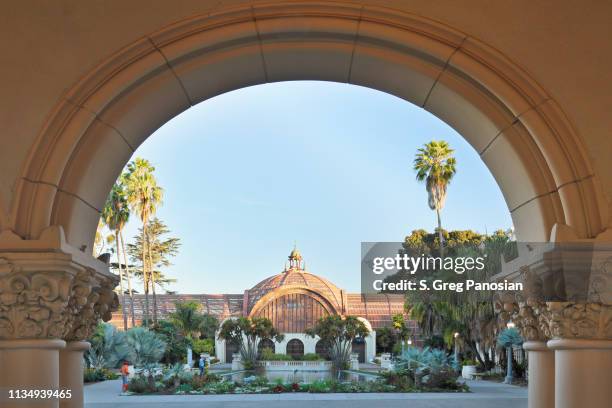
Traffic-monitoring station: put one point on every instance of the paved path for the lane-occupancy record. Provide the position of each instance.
(484, 395)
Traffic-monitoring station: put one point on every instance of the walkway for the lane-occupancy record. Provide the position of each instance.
(484, 395)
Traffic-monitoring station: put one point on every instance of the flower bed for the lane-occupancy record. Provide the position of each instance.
(173, 382)
(98, 374)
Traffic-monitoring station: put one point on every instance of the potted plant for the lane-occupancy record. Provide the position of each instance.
(468, 369)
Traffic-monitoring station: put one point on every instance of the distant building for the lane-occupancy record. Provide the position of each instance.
(293, 300)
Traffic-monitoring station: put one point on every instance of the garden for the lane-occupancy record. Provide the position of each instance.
(426, 370)
(165, 343)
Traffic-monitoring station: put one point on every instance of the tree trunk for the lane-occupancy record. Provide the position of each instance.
(474, 349)
(129, 279)
(123, 311)
(145, 276)
(152, 277)
(440, 237)
(487, 361)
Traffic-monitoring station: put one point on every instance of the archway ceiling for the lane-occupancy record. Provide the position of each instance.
(518, 128)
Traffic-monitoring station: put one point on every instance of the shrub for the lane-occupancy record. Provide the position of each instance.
(108, 348)
(92, 375)
(139, 385)
(223, 387)
(98, 374)
(426, 368)
(260, 381)
(268, 355)
(322, 386)
(311, 357)
(402, 380)
(200, 346)
(176, 345)
(183, 389)
(145, 346)
(175, 375)
(198, 382)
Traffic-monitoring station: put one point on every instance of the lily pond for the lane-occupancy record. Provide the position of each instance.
(304, 377)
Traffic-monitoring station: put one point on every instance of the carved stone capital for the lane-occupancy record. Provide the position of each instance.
(49, 295)
(568, 320)
(566, 291)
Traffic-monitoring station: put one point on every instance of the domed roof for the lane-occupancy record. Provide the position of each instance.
(295, 275)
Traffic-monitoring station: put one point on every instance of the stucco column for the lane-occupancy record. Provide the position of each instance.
(582, 373)
(50, 293)
(29, 365)
(541, 391)
(71, 373)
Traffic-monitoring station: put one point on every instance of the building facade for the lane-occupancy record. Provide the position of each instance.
(293, 300)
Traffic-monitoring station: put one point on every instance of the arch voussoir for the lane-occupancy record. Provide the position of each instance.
(470, 85)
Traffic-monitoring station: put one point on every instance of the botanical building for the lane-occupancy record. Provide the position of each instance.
(293, 300)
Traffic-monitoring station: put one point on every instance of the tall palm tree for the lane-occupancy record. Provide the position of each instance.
(434, 163)
(129, 278)
(144, 197)
(115, 215)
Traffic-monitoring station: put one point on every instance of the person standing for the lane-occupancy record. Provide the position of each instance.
(202, 364)
(125, 371)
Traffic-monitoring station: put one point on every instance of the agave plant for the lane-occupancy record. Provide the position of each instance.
(145, 346)
(174, 374)
(423, 363)
(108, 348)
(95, 359)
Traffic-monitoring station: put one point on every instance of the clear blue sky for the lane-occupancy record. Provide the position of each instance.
(327, 165)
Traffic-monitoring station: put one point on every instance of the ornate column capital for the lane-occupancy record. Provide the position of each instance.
(566, 291)
(570, 320)
(52, 291)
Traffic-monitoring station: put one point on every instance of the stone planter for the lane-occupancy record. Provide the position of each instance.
(237, 362)
(468, 371)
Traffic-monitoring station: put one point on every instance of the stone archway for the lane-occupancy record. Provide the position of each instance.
(518, 128)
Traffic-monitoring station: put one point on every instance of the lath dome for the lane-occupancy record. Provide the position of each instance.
(294, 275)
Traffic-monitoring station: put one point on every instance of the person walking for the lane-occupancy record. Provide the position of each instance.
(125, 371)
(202, 364)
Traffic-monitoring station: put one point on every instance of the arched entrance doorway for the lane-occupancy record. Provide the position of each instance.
(231, 348)
(263, 345)
(359, 347)
(322, 349)
(295, 348)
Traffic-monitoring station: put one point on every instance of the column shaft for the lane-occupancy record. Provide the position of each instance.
(29, 365)
(541, 391)
(582, 373)
(71, 373)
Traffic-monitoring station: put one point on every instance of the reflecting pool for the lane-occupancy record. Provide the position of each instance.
(297, 376)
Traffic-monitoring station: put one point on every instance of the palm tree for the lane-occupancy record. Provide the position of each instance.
(115, 215)
(129, 279)
(111, 217)
(434, 163)
(188, 319)
(143, 196)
